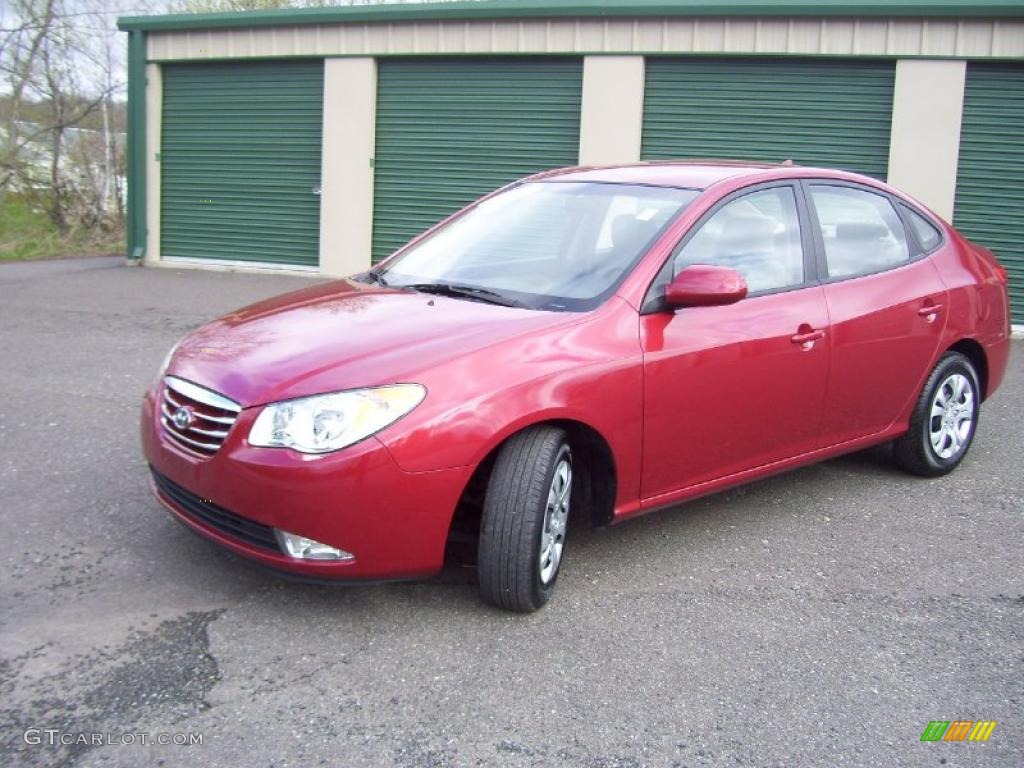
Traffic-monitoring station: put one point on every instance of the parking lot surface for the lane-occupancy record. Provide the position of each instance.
(819, 618)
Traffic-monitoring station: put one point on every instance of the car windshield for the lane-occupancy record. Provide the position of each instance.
(542, 245)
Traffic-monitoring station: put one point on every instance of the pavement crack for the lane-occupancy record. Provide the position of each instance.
(160, 675)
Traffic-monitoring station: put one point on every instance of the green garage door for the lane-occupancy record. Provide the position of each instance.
(814, 112)
(449, 131)
(240, 161)
(990, 180)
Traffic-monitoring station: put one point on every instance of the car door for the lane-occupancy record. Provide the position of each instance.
(730, 388)
(886, 303)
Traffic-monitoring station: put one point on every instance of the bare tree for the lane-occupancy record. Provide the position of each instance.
(60, 75)
(19, 54)
(217, 6)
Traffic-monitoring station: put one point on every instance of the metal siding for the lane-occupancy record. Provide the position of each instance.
(240, 157)
(823, 113)
(977, 38)
(451, 131)
(990, 180)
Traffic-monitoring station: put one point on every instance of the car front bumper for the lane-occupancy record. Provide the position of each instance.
(395, 523)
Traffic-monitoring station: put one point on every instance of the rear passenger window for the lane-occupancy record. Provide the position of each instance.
(861, 230)
(928, 235)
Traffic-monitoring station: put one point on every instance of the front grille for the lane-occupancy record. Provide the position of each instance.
(196, 418)
(235, 526)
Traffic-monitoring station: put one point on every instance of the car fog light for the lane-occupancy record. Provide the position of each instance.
(307, 549)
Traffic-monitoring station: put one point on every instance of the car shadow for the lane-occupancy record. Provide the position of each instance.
(592, 549)
(876, 461)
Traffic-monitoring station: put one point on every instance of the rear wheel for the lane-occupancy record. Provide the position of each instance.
(944, 419)
(525, 519)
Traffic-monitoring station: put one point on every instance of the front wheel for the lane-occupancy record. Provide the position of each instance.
(944, 419)
(525, 519)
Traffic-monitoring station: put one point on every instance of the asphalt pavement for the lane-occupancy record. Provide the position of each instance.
(819, 618)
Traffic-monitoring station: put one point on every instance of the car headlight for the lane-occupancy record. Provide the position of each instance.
(325, 423)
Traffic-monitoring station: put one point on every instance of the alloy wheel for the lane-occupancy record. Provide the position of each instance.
(952, 415)
(556, 518)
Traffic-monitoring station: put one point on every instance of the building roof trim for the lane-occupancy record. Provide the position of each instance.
(489, 10)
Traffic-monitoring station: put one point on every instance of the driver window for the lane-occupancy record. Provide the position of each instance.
(758, 235)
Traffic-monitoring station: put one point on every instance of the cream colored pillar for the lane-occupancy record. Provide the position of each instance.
(154, 114)
(346, 180)
(613, 109)
(925, 143)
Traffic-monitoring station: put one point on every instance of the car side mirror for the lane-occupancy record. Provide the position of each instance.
(703, 285)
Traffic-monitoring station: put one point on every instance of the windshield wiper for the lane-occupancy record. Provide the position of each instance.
(465, 292)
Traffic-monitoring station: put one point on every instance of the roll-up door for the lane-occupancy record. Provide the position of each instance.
(240, 161)
(449, 131)
(990, 179)
(832, 113)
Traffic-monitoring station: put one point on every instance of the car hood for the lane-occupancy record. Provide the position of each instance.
(341, 335)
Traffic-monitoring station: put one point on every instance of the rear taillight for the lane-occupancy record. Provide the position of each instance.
(986, 255)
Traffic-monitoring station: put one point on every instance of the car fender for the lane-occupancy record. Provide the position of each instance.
(589, 373)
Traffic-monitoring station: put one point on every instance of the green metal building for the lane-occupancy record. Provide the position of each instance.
(321, 140)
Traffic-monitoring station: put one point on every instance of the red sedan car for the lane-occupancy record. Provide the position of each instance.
(592, 343)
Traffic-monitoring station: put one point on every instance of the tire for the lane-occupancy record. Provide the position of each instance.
(916, 452)
(525, 508)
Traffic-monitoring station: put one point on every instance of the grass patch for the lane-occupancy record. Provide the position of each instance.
(26, 233)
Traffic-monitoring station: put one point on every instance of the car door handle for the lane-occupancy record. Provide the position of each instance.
(808, 337)
(930, 310)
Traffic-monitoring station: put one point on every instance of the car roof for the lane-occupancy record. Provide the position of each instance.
(688, 174)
